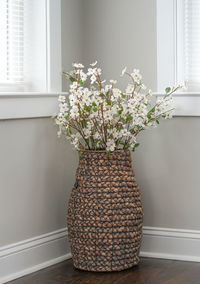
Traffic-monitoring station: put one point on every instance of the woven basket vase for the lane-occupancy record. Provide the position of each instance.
(105, 214)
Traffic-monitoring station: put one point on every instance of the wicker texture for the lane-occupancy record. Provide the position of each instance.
(105, 214)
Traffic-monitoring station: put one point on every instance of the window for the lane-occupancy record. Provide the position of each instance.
(11, 42)
(191, 27)
(28, 29)
(178, 52)
(30, 58)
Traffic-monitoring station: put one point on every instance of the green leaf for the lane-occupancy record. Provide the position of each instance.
(149, 115)
(108, 153)
(135, 146)
(94, 104)
(167, 90)
(87, 108)
(95, 109)
(122, 119)
(81, 83)
(68, 132)
(120, 111)
(129, 118)
(126, 145)
(84, 123)
(72, 79)
(80, 152)
(102, 95)
(123, 95)
(108, 102)
(157, 121)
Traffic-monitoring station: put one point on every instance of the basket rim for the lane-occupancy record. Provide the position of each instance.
(104, 151)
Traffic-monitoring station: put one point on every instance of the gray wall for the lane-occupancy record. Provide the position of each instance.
(167, 170)
(37, 173)
(37, 169)
(121, 33)
(72, 34)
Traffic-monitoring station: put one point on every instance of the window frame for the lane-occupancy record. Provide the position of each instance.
(169, 63)
(14, 105)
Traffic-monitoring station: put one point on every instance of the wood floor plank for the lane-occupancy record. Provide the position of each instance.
(149, 271)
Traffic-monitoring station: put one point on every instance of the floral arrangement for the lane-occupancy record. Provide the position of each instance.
(99, 116)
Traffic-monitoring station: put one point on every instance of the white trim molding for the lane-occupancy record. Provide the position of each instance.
(168, 243)
(166, 44)
(185, 104)
(28, 105)
(28, 256)
(53, 46)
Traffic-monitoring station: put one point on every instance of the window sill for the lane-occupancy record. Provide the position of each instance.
(30, 105)
(186, 104)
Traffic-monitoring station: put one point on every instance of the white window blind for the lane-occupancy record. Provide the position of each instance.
(23, 45)
(192, 44)
(11, 42)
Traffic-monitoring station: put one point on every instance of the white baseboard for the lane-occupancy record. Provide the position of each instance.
(31, 255)
(167, 243)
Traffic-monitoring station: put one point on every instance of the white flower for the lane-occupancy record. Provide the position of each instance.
(60, 119)
(116, 94)
(86, 92)
(91, 71)
(78, 93)
(136, 75)
(97, 136)
(143, 87)
(102, 82)
(98, 71)
(78, 65)
(113, 81)
(95, 109)
(150, 92)
(182, 85)
(108, 87)
(83, 76)
(74, 112)
(63, 107)
(75, 142)
(116, 134)
(137, 97)
(87, 133)
(93, 63)
(86, 100)
(110, 145)
(73, 86)
(124, 132)
(93, 79)
(123, 72)
(61, 99)
(130, 89)
(169, 115)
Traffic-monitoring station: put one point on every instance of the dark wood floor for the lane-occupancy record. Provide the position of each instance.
(151, 271)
